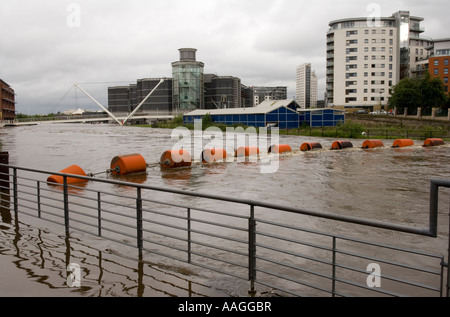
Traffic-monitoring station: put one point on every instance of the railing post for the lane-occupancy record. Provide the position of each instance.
(189, 233)
(99, 209)
(66, 205)
(39, 198)
(434, 193)
(15, 191)
(333, 281)
(252, 250)
(139, 220)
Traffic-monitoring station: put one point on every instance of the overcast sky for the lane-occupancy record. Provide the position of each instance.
(48, 45)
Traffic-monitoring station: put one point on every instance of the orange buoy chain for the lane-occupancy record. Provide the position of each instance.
(135, 163)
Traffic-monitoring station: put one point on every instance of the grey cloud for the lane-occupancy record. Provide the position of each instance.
(262, 42)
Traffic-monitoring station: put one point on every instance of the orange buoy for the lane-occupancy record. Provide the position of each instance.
(176, 158)
(73, 170)
(128, 164)
(279, 148)
(370, 144)
(309, 146)
(433, 142)
(339, 145)
(213, 155)
(246, 151)
(403, 143)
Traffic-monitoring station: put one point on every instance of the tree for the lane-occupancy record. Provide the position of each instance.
(412, 93)
(433, 94)
(405, 95)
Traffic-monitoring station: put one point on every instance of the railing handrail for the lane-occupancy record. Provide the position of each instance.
(430, 232)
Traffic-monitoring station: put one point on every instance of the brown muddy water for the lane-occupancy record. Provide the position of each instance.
(385, 184)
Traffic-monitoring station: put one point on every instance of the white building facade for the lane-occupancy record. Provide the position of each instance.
(306, 86)
(366, 57)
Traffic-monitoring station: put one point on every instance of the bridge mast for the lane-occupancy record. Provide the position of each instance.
(99, 104)
(143, 101)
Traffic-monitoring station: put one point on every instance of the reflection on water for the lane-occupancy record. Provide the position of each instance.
(386, 184)
(44, 256)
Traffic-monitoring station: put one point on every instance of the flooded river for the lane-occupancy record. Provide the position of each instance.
(385, 184)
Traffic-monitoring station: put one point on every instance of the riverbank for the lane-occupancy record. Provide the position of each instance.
(355, 127)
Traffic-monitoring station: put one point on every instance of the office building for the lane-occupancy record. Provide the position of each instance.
(261, 94)
(366, 57)
(306, 87)
(189, 89)
(188, 82)
(125, 99)
(7, 102)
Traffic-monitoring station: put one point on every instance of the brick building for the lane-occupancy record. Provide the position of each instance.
(438, 64)
(7, 102)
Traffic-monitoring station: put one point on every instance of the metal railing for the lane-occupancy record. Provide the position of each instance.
(277, 248)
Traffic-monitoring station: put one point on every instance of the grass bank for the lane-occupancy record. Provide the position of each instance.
(351, 129)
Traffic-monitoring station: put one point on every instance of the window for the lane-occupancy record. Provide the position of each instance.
(436, 62)
(436, 71)
(445, 71)
(445, 80)
(446, 62)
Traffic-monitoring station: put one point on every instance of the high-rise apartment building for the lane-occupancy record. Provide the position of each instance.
(366, 57)
(7, 102)
(306, 87)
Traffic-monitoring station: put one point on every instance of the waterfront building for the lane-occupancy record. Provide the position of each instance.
(119, 100)
(439, 60)
(306, 86)
(189, 89)
(124, 99)
(159, 100)
(188, 81)
(366, 57)
(222, 92)
(280, 113)
(7, 102)
(261, 94)
(284, 114)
